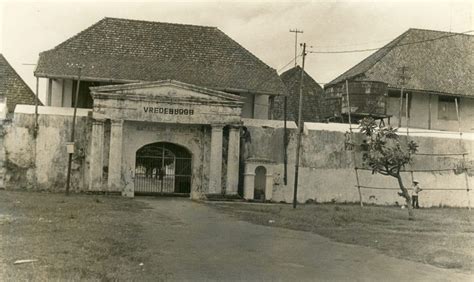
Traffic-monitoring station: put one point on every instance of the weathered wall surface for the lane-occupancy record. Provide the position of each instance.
(195, 138)
(327, 170)
(41, 162)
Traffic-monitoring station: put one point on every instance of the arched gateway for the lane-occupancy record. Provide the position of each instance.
(174, 113)
(163, 168)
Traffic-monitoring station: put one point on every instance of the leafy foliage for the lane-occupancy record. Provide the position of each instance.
(386, 155)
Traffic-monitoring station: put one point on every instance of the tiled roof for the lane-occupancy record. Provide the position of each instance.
(312, 97)
(13, 87)
(436, 61)
(131, 50)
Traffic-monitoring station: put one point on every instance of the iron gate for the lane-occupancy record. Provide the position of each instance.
(163, 168)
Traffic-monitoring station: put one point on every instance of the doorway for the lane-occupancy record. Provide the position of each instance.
(163, 168)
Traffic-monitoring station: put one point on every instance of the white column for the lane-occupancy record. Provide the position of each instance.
(268, 186)
(215, 174)
(249, 183)
(49, 91)
(96, 155)
(233, 153)
(115, 156)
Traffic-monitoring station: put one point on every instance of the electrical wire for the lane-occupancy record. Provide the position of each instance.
(292, 60)
(354, 44)
(368, 50)
(387, 47)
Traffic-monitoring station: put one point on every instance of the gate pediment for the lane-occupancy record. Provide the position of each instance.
(166, 101)
(164, 90)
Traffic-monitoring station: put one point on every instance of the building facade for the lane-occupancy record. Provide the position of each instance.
(140, 132)
(435, 69)
(166, 136)
(120, 51)
(160, 109)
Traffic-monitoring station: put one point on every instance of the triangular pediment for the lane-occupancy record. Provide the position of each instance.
(164, 90)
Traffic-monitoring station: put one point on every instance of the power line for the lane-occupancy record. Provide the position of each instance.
(353, 44)
(362, 50)
(387, 47)
(294, 59)
(370, 49)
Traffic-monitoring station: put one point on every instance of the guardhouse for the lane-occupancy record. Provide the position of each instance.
(165, 103)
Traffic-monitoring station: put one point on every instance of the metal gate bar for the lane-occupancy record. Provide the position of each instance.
(159, 171)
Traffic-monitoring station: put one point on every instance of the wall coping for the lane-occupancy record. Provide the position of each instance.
(45, 110)
(414, 132)
(268, 123)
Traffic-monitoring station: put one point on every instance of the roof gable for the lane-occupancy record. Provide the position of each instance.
(436, 61)
(132, 50)
(12, 86)
(312, 96)
(292, 77)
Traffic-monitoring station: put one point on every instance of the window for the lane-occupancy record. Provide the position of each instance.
(393, 103)
(447, 108)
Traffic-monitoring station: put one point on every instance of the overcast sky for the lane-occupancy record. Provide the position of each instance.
(27, 28)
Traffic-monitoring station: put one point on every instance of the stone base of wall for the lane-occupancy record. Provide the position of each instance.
(340, 186)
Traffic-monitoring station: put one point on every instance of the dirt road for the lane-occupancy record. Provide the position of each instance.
(191, 241)
(106, 238)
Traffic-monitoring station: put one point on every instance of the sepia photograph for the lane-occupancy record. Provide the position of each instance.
(236, 140)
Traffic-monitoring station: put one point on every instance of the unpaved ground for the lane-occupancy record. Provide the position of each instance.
(442, 237)
(223, 248)
(148, 239)
(73, 238)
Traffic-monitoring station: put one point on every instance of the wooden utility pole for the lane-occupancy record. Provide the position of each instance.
(285, 117)
(300, 129)
(296, 31)
(285, 143)
(403, 80)
(36, 131)
(70, 152)
(349, 107)
(36, 107)
(407, 115)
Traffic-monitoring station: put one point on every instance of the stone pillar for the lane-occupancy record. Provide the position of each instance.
(96, 155)
(233, 153)
(249, 183)
(129, 185)
(215, 174)
(268, 186)
(115, 156)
